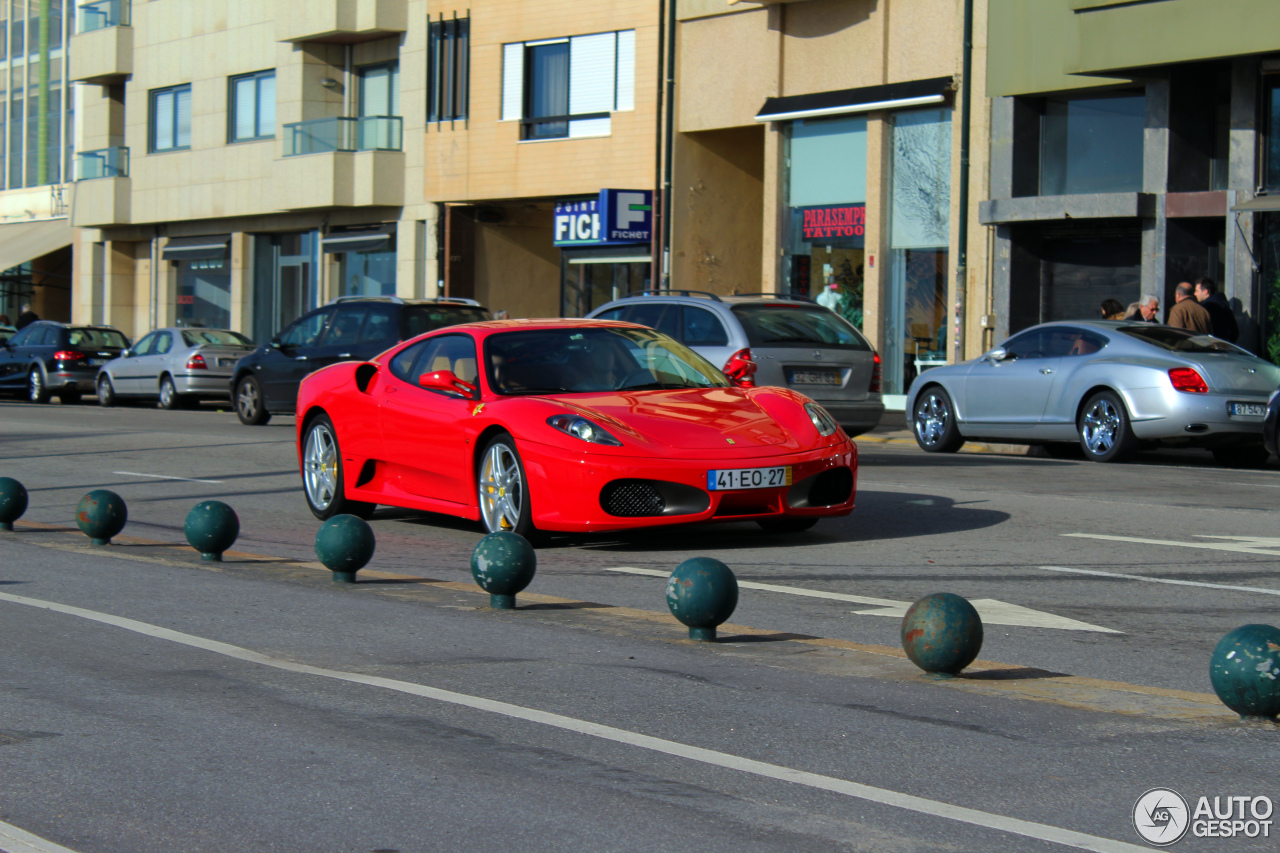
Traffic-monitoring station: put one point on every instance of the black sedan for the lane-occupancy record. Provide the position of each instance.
(48, 358)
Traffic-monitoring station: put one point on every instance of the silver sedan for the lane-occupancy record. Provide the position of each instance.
(178, 366)
(1104, 387)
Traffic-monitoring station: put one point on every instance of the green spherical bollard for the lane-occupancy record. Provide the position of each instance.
(942, 633)
(100, 515)
(1245, 671)
(211, 528)
(13, 502)
(345, 545)
(503, 564)
(702, 593)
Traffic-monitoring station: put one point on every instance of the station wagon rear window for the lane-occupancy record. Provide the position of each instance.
(781, 325)
(1180, 340)
(97, 338)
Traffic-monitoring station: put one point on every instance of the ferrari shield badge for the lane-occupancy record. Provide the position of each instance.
(479, 407)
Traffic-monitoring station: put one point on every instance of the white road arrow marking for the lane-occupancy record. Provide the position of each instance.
(993, 612)
(1236, 544)
(1172, 581)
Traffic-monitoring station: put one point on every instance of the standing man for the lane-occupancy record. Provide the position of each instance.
(1144, 310)
(1187, 314)
(26, 317)
(1220, 313)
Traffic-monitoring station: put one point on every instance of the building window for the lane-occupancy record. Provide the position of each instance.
(568, 87)
(379, 90)
(448, 67)
(252, 113)
(1271, 103)
(171, 118)
(1092, 144)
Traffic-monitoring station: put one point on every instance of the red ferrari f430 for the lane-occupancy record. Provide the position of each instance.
(566, 425)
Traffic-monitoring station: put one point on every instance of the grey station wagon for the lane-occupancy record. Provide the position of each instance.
(792, 342)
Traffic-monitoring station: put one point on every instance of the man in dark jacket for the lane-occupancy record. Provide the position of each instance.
(1220, 313)
(26, 318)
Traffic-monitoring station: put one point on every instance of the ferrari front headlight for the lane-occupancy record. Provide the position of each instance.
(581, 428)
(825, 424)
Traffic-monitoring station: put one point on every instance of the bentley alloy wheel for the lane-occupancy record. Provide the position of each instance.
(1105, 435)
(934, 423)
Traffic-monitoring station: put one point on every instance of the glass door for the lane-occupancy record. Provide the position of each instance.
(285, 285)
(589, 282)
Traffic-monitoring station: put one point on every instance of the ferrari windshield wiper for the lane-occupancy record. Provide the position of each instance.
(649, 386)
(541, 390)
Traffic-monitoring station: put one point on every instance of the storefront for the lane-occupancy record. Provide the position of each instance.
(604, 248)
(285, 280)
(362, 260)
(200, 280)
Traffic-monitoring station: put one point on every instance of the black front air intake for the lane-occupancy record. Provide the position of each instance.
(647, 498)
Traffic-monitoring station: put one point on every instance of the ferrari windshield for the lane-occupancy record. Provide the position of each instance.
(585, 359)
(1180, 340)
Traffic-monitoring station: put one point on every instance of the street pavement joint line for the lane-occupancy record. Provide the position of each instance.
(15, 840)
(869, 793)
(165, 477)
(1173, 581)
(993, 612)
(1236, 547)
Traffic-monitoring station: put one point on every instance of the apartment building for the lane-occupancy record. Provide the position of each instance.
(1134, 146)
(37, 123)
(241, 162)
(821, 142)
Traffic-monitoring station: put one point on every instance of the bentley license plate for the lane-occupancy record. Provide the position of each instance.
(748, 478)
(815, 377)
(1247, 410)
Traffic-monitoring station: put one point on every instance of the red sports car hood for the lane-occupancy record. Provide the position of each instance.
(693, 419)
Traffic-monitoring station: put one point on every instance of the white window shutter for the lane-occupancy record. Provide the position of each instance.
(591, 73)
(513, 81)
(626, 70)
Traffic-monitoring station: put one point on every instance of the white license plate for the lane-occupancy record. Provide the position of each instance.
(1247, 410)
(815, 377)
(226, 362)
(748, 478)
(98, 362)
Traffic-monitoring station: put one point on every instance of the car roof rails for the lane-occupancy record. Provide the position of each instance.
(457, 300)
(793, 296)
(705, 293)
(393, 299)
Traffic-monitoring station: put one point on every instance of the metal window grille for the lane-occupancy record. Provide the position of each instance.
(448, 69)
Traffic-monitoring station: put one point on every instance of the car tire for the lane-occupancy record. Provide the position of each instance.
(502, 489)
(106, 392)
(69, 398)
(1103, 426)
(933, 422)
(322, 474)
(250, 407)
(37, 392)
(786, 524)
(170, 399)
(1241, 456)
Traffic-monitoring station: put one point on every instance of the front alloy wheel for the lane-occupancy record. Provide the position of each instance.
(501, 485)
(322, 474)
(106, 392)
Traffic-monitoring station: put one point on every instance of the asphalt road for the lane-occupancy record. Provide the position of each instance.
(175, 705)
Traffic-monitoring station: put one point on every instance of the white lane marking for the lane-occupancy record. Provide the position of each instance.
(884, 796)
(165, 477)
(993, 612)
(1241, 545)
(14, 840)
(1172, 581)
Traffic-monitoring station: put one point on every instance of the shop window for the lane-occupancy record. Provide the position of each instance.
(203, 288)
(448, 68)
(253, 107)
(1092, 144)
(568, 87)
(171, 119)
(1271, 127)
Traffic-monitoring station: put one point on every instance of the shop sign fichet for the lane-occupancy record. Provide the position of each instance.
(614, 218)
(834, 220)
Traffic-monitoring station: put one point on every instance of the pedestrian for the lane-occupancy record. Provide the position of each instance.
(1186, 313)
(830, 297)
(1144, 310)
(1220, 313)
(26, 317)
(1112, 309)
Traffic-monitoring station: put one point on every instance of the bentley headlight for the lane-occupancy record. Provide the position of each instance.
(824, 423)
(579, 427)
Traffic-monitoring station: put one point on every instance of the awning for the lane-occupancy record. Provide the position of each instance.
(894, 96)
(196, 248)
(1261, 204)
(375, 239)
(24, 241)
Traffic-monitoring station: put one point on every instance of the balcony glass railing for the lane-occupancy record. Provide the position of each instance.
(103, 163)
(371, 133)
(103, 14)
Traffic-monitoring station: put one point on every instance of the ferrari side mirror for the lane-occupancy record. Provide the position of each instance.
(446, 381)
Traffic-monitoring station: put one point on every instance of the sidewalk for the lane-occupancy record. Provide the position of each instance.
(893, 429)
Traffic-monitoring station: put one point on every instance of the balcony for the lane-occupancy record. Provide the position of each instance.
(101, 203)
(340, 21)
(102, 48)
(323, 135)
(103, 163)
